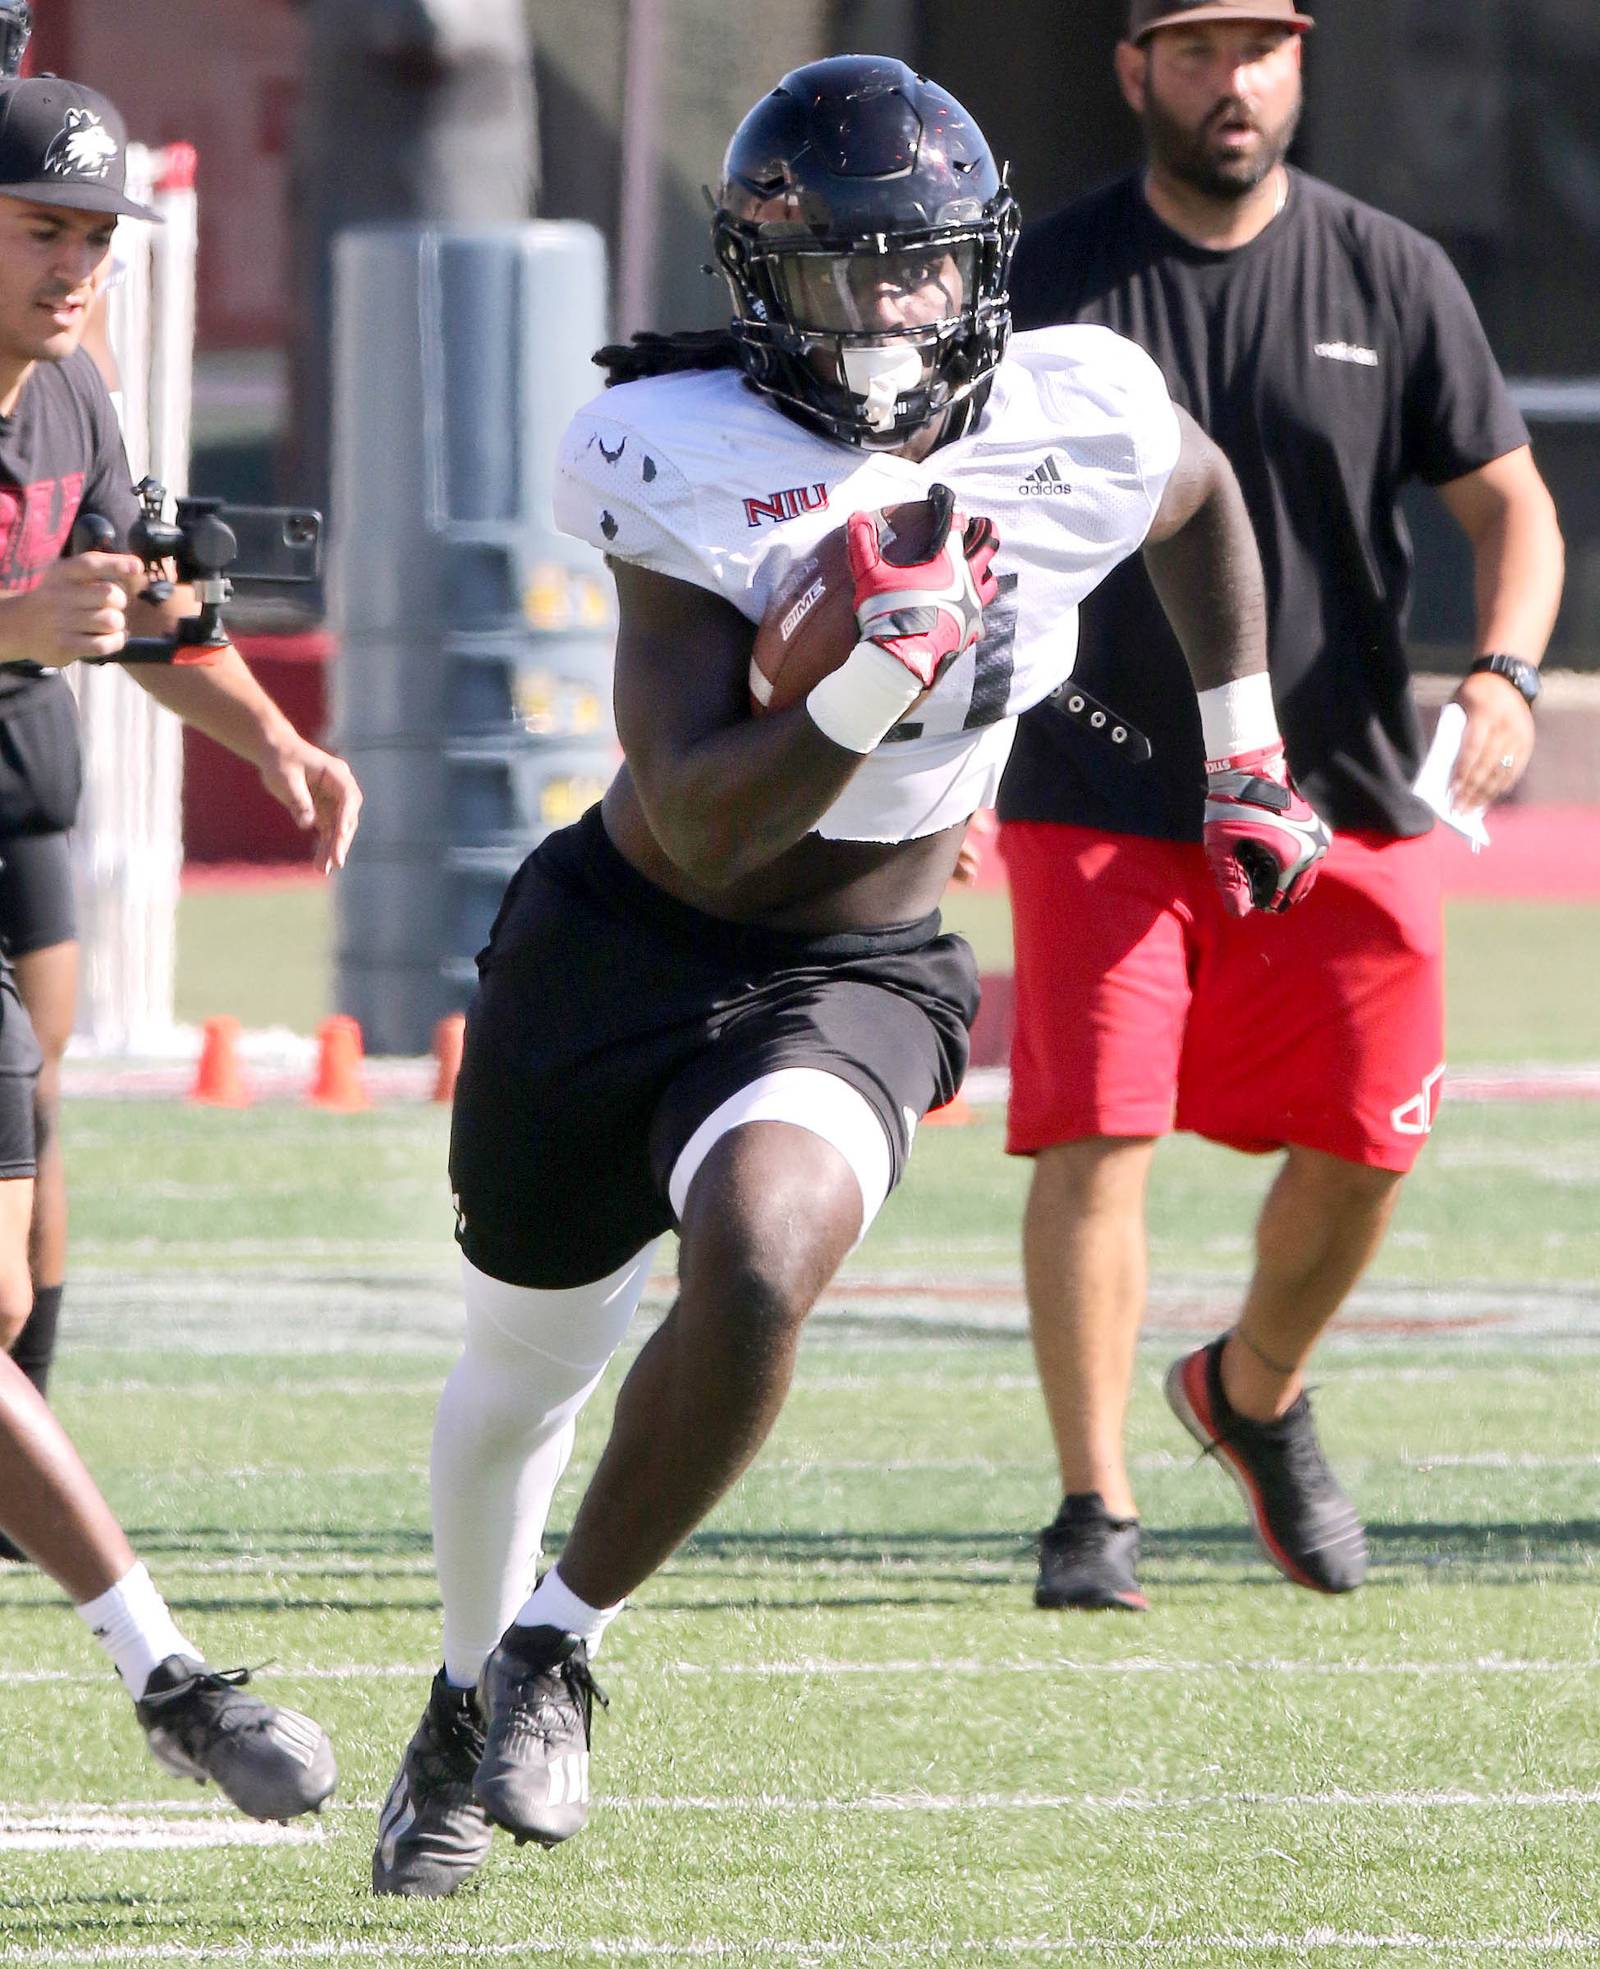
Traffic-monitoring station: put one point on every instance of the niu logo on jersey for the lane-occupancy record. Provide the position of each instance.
(1045, 481)
(786, 505)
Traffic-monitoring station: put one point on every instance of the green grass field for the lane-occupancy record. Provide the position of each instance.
(839, 1732)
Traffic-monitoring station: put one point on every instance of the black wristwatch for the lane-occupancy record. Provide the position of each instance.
(1519, 675)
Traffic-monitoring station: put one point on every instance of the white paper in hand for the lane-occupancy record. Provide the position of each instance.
(1432, 782)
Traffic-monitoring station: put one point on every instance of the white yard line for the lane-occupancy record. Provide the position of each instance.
(298, 1386)
(1309, 1944)
(1487, 1665)
(134, 1829)
(897, 1803)
(911, 1803)
(1154, 1462)
(895, 1668)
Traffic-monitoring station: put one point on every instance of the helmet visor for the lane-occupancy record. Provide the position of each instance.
(866, 293)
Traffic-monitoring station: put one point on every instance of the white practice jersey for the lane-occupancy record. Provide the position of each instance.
(698, 476)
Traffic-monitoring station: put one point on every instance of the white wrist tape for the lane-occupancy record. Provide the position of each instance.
(1239, 717)
(864, 699)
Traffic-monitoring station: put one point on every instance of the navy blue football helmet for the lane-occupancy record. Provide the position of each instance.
(866, 235)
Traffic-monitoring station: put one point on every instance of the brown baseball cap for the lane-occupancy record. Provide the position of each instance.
(1145, 16)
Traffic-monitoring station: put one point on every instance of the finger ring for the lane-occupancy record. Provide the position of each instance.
(1507, 761)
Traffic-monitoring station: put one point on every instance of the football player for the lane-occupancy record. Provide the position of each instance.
(721, 1001)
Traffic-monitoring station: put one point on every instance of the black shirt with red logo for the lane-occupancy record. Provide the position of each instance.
(1334, 358)
(60, 454)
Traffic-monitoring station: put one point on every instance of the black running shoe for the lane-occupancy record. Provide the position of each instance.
(273, 1763)
(537, 1697)
(1087, 1558)
(432, 1834)
(1304, 1522)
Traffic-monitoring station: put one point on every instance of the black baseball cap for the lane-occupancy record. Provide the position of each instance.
(63, 144)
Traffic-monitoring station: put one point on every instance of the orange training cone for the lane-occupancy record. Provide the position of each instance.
(218, 1080)
(955, 1113)
(448, 1035)
(338, 1078)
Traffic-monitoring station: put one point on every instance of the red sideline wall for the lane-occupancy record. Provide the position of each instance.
(1551, 849)
(228, 816)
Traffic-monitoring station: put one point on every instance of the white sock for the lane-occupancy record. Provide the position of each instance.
(552, 1603)
(502, 1438)
(134, 1626)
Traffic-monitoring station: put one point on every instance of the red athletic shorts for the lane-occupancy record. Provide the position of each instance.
(1143, 1006)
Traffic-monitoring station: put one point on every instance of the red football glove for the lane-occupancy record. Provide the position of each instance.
(927, 613)
(1263, 842)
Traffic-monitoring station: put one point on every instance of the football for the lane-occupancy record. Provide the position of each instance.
(810, 627)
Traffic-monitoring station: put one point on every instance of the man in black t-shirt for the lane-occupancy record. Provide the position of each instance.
(60, 453)
(62, 169)
(1334, 355)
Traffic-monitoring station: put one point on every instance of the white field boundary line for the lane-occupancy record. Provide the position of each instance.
(294, 1266)
(1153, 1463)
(282, 1384)
(823, 1667)
(298, 1265)
(132, 1829)
(1309, 1944)
(751, 1568)
(911, 1803)
(1486, 1360)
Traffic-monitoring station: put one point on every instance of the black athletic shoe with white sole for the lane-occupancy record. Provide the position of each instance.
(537, 1698)
(1302, 1520)
(1087, 1558)
(432, 1833)
(203, 1724)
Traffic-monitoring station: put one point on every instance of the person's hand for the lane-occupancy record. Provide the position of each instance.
(78, 608)
(927, 613)
(1496, 744)
(320, 791)
(1262, 840)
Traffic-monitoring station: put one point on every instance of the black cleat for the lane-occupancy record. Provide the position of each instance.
(538, 1698)
(1087, 1558)
(1303, 1521)
(272, 1763)
(432, 1833)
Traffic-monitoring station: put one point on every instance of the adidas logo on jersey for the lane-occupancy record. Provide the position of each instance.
(1046, 481)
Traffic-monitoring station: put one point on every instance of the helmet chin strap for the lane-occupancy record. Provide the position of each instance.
(882, 375)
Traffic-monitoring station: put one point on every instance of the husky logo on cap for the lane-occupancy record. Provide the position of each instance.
(81, 148)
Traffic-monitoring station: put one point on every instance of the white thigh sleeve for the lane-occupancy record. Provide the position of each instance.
(809, 1098)
(503, 1435)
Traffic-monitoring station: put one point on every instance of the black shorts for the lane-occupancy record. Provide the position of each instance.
(20, 1061)
(41, 761)
(611, 1019)
(38, 907)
